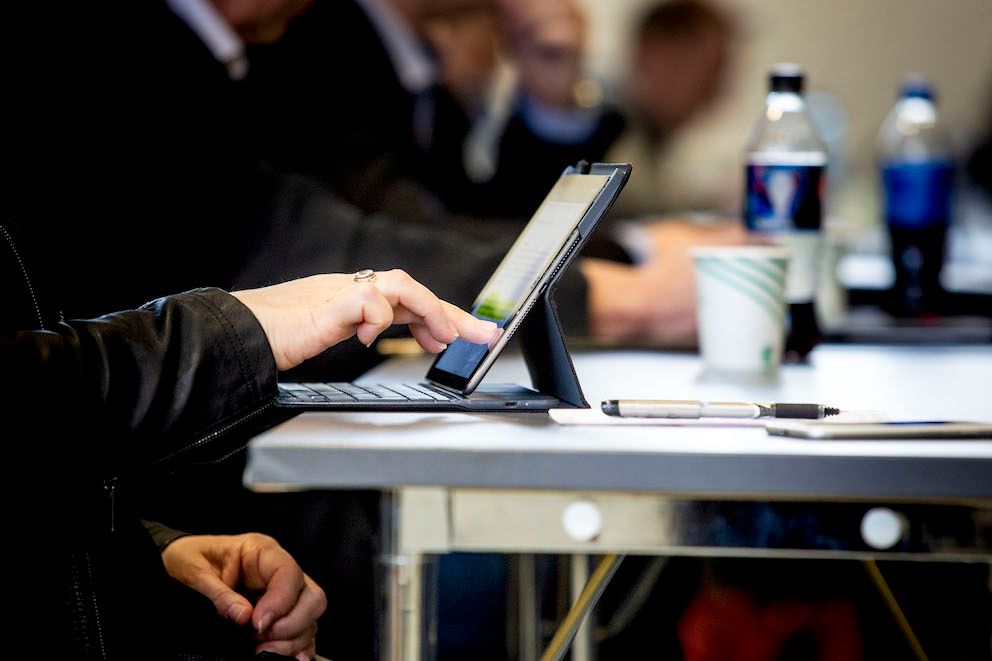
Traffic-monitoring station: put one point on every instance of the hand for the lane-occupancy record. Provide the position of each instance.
(547, 39)
(672, 238)
(654, 301)
(303, 317)
(285, 616)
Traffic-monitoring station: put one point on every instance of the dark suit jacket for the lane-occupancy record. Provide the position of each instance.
(329, 103)
(133, 151)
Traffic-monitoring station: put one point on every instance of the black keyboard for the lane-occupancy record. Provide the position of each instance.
(350, 392)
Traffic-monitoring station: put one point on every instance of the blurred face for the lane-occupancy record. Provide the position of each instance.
(260, 21)
(676, 79)
(466, 45)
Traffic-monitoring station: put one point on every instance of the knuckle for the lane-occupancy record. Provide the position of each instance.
(261, 539)
(369, 295)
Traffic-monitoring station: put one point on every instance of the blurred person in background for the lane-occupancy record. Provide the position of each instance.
(396, 138)
(677, 72)
(533, 110)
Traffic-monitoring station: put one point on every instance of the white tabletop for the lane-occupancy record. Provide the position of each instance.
(357, 450)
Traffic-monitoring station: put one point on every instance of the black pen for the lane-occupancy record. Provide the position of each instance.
(663, 408)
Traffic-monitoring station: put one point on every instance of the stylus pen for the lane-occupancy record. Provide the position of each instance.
(662, 408)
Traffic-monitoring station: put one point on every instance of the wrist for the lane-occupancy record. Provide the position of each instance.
(257, 309)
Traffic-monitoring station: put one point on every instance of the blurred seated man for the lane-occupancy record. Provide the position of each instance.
(530, 114)
(398, 128)
(677, 72)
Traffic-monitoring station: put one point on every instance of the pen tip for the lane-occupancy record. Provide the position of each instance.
(830, 410)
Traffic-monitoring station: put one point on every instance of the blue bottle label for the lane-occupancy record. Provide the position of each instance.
(783, 198)
(918, 195)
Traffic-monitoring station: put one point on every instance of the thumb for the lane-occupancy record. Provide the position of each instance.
(229, 604)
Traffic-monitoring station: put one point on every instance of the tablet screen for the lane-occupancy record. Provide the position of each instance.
(522, 269)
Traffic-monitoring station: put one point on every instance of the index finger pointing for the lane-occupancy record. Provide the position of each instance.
(402, 289)
(470, 328)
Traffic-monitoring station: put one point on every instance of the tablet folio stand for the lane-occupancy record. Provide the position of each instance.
(543, 345)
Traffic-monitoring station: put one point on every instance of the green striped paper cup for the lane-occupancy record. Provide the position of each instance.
(741, 305)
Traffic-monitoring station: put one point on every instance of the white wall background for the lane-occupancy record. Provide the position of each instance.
(856, 50)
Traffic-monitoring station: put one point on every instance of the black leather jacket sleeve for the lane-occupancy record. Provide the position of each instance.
(137, 390)
(162, 534)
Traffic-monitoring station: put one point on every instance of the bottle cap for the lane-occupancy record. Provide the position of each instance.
(916, 85)
(786, 77)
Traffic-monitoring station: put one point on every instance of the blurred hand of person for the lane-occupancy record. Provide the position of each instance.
(654, 301)
(547, 39)
(671, 238)
(217, 566)
(303, 317)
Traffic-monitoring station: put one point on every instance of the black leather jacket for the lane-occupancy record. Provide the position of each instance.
(90, 409)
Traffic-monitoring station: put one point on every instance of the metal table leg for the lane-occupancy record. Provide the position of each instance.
(528, 613)
(582, 643)
(408, 588)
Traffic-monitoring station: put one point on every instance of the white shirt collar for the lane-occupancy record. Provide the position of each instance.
(215, 33)
(414, 66)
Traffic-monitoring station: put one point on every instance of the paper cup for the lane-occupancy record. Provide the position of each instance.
(741, 306)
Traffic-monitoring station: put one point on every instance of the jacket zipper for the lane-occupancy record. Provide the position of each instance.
(203, 440)
(96, 606)
(110, 486)
(27, 278)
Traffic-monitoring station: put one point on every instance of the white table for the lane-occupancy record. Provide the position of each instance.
(502, 483)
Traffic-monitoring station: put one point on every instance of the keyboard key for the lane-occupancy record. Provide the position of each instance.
(329, 391)
(409, 392)
(382, 392)
(434, 392)
(349, 388)
(293, 387)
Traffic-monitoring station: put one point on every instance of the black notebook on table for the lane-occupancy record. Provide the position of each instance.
(518, 299)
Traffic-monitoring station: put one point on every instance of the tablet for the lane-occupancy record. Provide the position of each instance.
(537, 258)
(542, 251)
(919, 430)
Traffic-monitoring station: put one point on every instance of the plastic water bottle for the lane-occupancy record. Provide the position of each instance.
(917, 172)
(785, 177)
